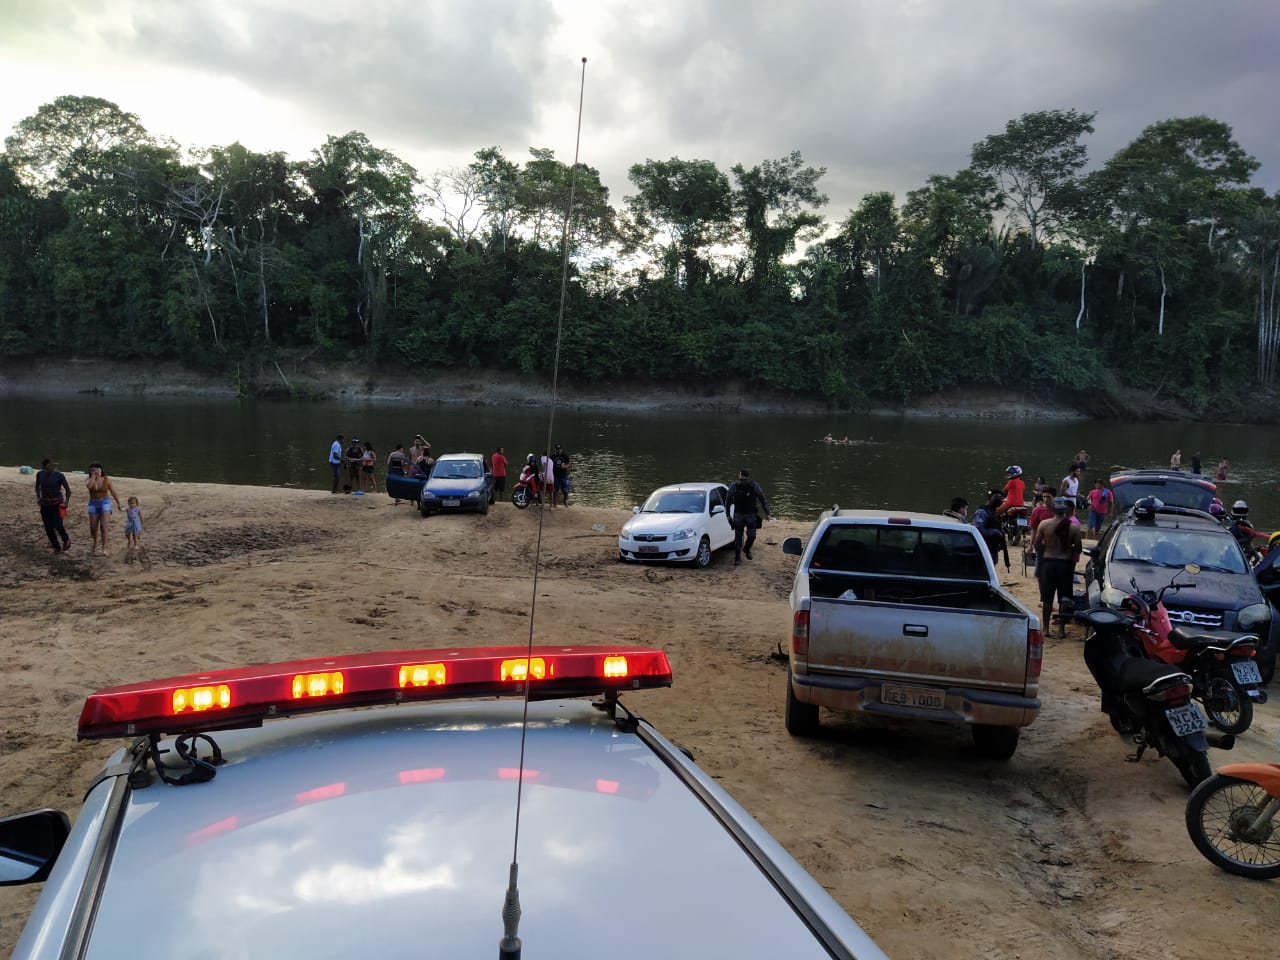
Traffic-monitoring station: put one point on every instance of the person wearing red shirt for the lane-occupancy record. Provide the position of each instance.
(499, 471)
(1015, 491)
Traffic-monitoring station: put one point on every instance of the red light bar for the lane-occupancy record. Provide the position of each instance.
(246, 696)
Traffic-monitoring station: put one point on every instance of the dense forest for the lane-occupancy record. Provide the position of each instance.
(1155, 270)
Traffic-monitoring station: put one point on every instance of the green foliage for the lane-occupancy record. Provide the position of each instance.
(1154, 272)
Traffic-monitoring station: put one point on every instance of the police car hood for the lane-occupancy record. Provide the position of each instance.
(1214, 589)
(389, 833)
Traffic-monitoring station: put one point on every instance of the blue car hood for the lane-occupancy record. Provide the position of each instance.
(1214, 590)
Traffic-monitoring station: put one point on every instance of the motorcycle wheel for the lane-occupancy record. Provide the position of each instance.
(1220, 817)
(1228, 706)
(520, 497)
(1194, 766)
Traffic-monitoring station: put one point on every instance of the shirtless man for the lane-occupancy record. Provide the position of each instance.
(101, 493)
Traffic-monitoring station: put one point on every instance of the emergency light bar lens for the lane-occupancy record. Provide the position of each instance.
(246, 696)
(317, 685)
(422, 675)
(201, 698)
(524, 669)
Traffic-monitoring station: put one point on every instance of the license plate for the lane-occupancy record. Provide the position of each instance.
(928, 697)
(450, 503)
(1186, 720)
(648, 548)
(1023, 522)
(1247, 672)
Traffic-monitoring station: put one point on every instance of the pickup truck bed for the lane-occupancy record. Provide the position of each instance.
(905, 617)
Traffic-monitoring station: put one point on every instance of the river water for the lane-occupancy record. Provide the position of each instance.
(904, 462)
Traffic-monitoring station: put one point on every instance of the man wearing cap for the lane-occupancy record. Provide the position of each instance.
(744, 515)
(355, 457)
(560, 473)
(335, 460)
(1057, 543)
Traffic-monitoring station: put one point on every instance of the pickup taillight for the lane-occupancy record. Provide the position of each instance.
(800, 633)
(1035, 654)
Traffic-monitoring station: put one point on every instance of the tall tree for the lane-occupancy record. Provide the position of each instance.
(689, 200)
(62, 145)
(771, 198)
(1035, 161)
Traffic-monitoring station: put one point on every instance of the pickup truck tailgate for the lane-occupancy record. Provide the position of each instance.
(926, 644)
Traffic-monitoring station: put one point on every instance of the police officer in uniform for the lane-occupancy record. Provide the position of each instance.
(744, 514)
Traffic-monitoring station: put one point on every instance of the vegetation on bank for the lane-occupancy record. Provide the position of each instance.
(1154, 273)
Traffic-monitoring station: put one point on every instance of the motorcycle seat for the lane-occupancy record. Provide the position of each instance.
(1183, 640)
(1136, 674)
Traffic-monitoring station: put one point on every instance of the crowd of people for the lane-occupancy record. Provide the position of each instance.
(53, 494)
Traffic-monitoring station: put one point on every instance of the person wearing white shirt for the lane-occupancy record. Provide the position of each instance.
(335, 460)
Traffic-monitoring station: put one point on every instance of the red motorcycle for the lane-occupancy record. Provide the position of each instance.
(527, 489)
(1234, 819)
(1222, 668)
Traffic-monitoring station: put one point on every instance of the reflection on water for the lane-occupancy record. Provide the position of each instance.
(618, 458)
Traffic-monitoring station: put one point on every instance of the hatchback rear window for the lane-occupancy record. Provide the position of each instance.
(1172, 491)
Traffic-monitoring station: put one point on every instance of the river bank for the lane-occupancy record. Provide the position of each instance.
(483, 388)
(936, 852)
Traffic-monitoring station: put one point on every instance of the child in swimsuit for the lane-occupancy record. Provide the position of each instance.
(133, 531)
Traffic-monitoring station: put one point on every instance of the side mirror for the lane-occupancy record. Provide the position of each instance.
(29, 845)
(792, 546)
(1090, 551)
(717, 510)
(635, 509)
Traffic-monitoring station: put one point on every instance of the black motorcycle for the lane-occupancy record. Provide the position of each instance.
(1147, 701)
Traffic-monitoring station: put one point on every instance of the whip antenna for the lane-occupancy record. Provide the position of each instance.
(509, 945)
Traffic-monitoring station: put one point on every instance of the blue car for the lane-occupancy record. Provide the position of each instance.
(458, 481)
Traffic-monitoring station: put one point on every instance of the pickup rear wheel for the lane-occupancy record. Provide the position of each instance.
(995, 743)
(801, 718)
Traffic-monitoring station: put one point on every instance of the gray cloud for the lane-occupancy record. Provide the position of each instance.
(881, 94)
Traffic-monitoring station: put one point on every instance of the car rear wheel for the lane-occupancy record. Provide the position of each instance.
(801, 719)
(703, 557)
(995, 743)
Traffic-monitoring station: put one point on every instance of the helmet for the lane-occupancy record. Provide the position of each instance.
(531, 460)
(1216, 509)
(1145, 509)
(1240, 509)
(1063, 505)
(1273, 539)
(1013, 470)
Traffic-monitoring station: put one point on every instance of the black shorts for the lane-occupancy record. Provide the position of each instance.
(1054, 574)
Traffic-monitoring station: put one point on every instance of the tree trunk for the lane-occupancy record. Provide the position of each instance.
(1080, 315)
(1163, 292)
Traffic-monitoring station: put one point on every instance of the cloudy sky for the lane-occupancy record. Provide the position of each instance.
(882, 93)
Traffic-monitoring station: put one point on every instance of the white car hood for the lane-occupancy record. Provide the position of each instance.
(667, 523)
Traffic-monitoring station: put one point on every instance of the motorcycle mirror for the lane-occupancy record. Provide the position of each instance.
(1191, 568)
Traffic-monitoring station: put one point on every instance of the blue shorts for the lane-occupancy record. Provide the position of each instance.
(1096, 520)
(100, 508)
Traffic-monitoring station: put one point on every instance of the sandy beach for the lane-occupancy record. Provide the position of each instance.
(1066, 851)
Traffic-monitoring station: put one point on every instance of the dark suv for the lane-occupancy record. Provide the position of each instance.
(1138, 554)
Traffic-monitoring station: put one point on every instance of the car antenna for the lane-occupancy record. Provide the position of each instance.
(509, 945)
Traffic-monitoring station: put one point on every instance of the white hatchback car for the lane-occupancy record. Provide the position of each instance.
(685, 521)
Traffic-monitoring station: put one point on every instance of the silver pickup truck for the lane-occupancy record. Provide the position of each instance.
(902, 615)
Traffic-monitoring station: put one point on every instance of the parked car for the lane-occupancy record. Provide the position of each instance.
(685, 522)
(457, 482)
(903, 615)
(1137, 553)
(290, 810)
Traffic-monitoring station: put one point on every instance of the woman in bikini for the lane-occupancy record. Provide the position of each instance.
(101, 493)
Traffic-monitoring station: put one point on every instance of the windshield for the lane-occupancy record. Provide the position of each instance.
(456, 470)
(676, 501)
(1174, 548)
